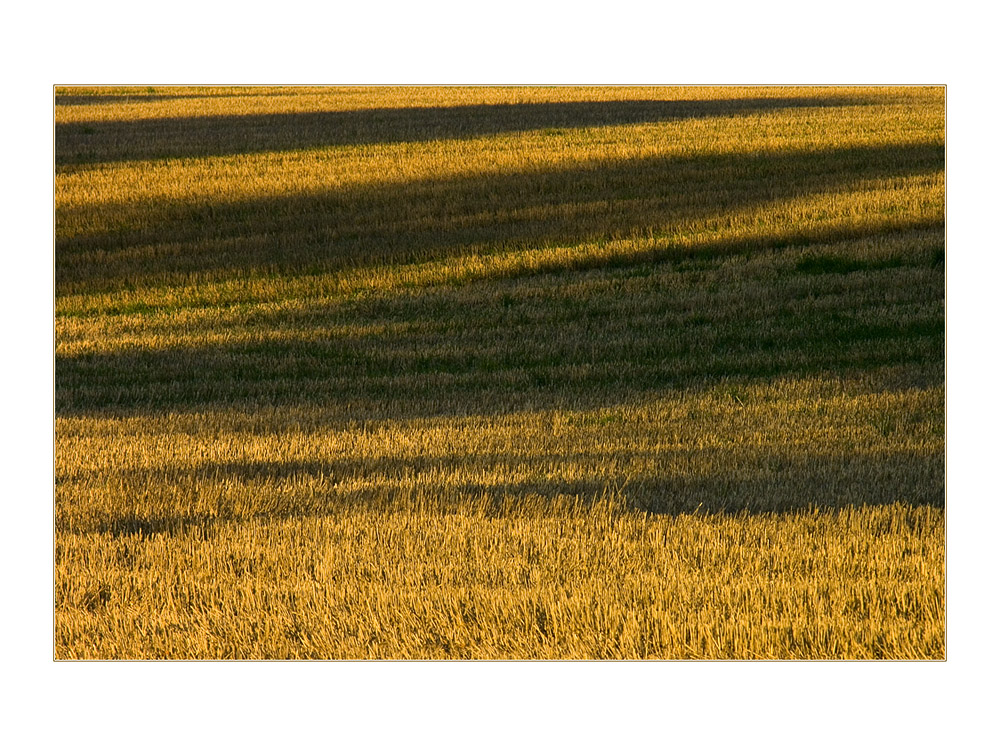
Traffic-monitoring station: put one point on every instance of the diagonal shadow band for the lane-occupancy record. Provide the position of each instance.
(215, 135)
(522, 347)
(439, 218)
(768, 481)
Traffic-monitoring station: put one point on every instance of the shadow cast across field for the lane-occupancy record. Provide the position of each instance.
(215, 135)
(510, 347)
(767, 482)
(433, 219)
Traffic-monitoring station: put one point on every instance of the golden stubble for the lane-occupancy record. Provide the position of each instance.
(463, 491)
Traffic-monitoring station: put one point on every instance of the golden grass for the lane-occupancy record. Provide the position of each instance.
(130, 104)
(499, 373)
(549, 582)
(780, 446)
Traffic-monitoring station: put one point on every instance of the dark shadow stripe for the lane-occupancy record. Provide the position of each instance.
(214, 135)
(770, 481)
(520, 345)
(438, 218)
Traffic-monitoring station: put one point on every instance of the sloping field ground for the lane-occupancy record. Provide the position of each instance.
(499, 373)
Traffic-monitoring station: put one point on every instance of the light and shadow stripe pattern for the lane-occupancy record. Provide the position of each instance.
(499, 372)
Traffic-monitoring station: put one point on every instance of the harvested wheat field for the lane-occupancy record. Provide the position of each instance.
(499, 373)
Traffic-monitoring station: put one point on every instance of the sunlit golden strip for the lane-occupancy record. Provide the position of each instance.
(231, 178)
(139, 102)
(572, 584)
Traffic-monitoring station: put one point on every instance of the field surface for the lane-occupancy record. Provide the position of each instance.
(499, 373)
